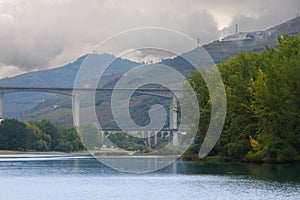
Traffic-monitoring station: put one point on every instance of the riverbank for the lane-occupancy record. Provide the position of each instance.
(195, 158)
(77, 153)
(58, 153)
(191, 158)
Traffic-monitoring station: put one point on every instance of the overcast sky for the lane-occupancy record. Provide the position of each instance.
(41, 34)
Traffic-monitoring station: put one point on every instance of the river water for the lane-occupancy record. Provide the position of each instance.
(85, 178)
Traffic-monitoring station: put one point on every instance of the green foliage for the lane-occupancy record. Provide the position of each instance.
(65, 147)
(200, 88)
(263, 101)
(69, 140)
(148, 150)
(41, 145)
(90, 136)
(49, 128)
(193, 149)
(13, 135)
(127, 142)
(39, 136)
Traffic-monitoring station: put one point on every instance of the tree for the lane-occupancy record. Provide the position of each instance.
(263, 102)
(13, 135)
(276, 101)
(50, 129)
(38, 140)
(69, 140)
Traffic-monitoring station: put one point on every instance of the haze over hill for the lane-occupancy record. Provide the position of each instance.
(34, 106)
(18, 103)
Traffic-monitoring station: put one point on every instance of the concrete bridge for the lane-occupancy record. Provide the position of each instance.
(170, 131)
(76, 100)
(150, 138)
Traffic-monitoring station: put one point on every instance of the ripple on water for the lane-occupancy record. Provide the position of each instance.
(84, 178)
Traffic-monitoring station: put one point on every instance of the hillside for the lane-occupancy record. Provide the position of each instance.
(21, 103)
(57, 108)
(222, 50)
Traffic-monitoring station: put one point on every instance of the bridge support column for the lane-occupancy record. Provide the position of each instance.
(1, 105)
(173, 114)
(149, 138)
(169, 136)
(175, 141)
(142, 134)
(155, 138)
(102, 136)
(76, 110)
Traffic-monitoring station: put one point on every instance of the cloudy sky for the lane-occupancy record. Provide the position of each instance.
(41, 34)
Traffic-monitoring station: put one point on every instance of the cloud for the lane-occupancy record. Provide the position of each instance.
(257, 15)
(8, 71)
(39, 34)
(147, 55)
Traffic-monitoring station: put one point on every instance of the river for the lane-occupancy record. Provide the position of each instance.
(83, 177)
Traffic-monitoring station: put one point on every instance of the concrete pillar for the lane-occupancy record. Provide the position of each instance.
(155, 138)
(1, 105)
(149, 138)
(173, 114)
(142, 134)
(76, 108)
(174, 167)
(175, 139)
(102, 136)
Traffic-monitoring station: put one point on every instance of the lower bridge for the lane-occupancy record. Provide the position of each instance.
(151, 138)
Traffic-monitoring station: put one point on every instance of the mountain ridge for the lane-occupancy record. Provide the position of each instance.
(31, 104)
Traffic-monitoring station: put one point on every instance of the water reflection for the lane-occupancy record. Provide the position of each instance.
(85, 178)
(89, 165)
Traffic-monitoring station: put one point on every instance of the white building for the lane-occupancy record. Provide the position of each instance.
(245, 36)
(237, 36)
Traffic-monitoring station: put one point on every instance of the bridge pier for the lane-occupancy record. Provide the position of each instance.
(169, 136)
(175, 141)
(173, 114)
(142, 134)
(155, 138)
(76, 109)
(149, 138)
(1, 105)
(173, 137)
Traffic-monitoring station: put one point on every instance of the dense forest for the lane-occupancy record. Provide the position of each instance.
(39, 136)
(263, 105)
(45, 136)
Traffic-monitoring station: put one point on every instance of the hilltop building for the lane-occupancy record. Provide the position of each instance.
(245, 36)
